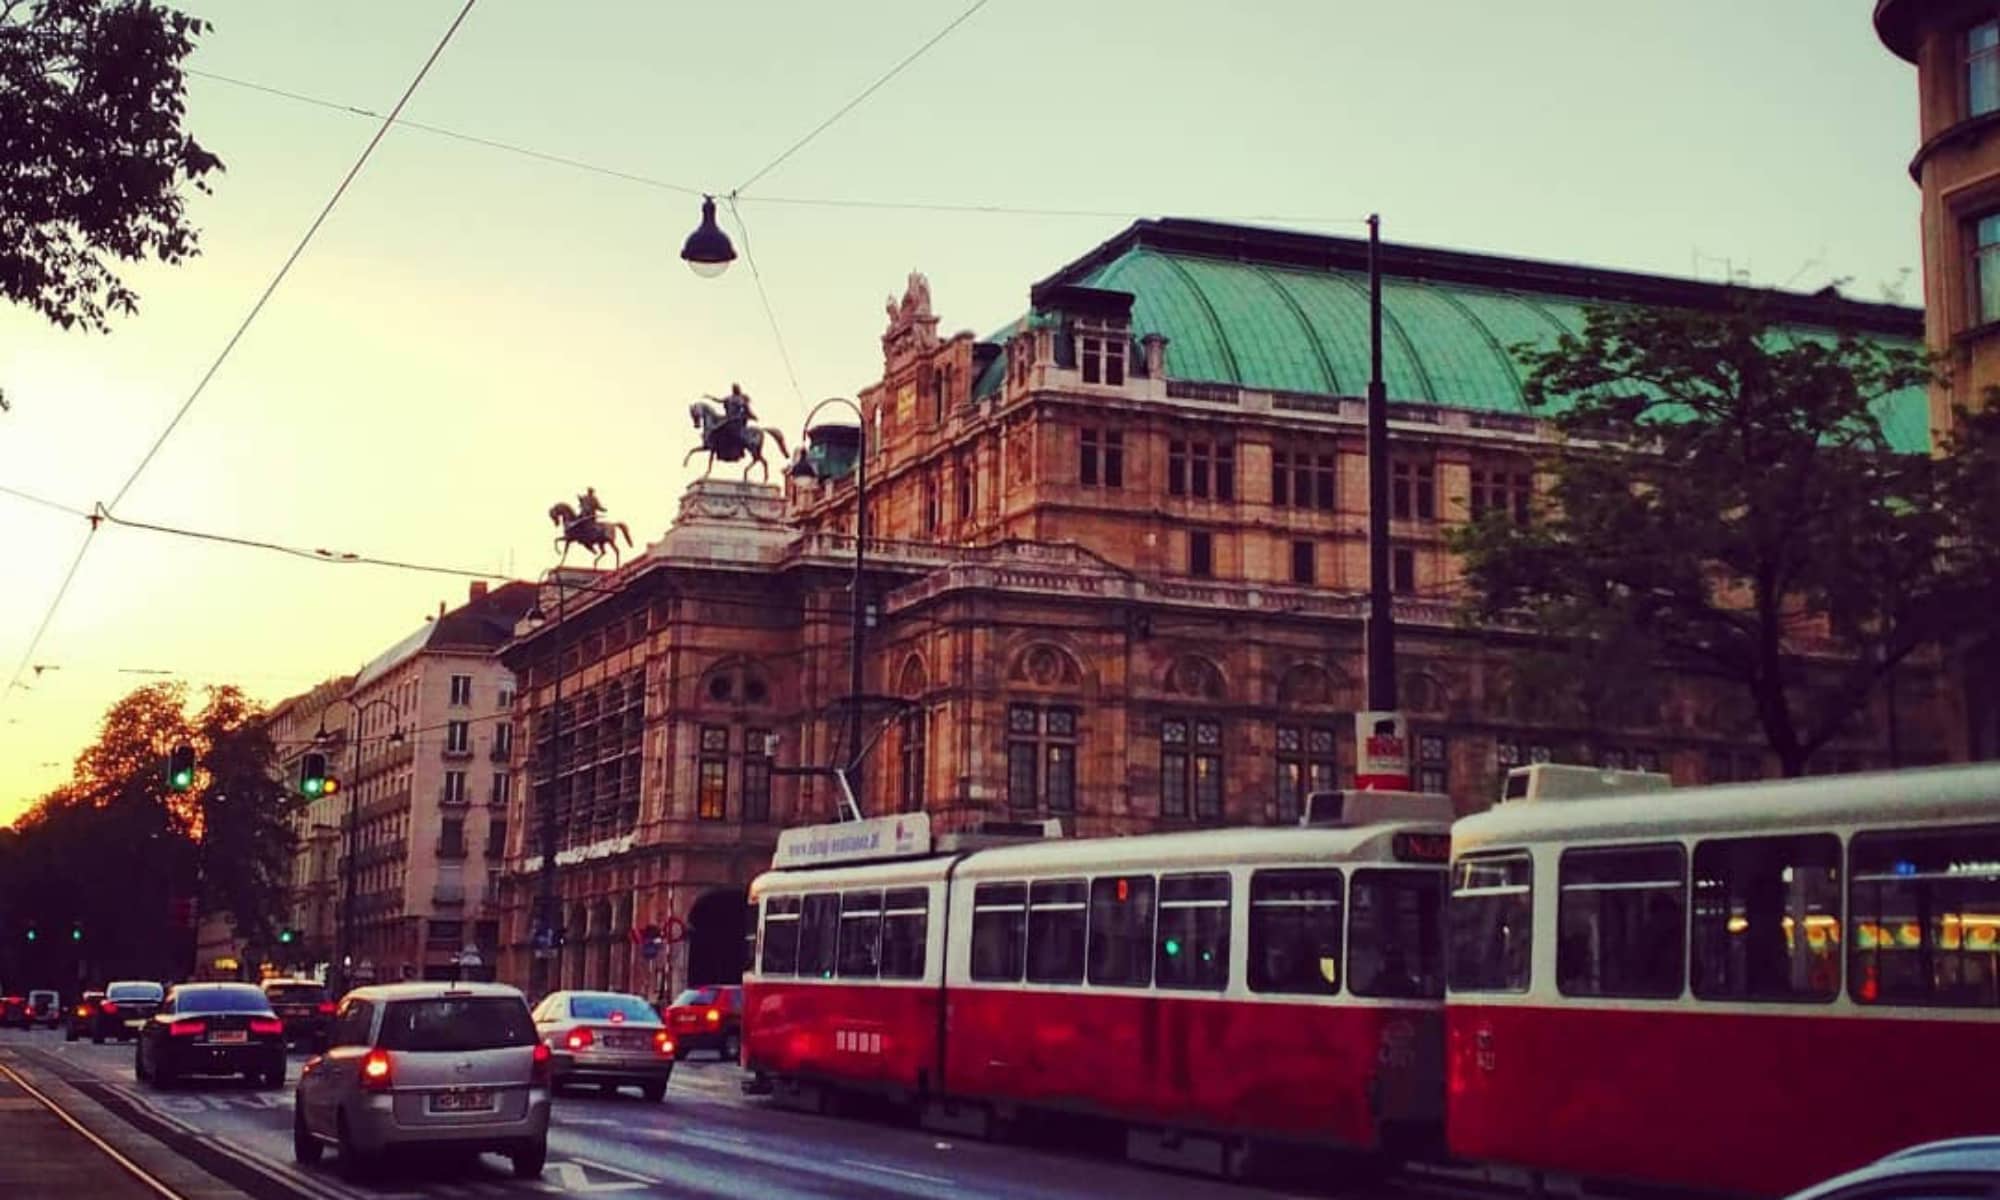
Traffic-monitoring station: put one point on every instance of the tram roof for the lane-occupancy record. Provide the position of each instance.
(1928, 795)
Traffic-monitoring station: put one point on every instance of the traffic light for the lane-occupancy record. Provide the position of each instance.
(329, 785)
(180, 768)
(76, 932)
(34, 935)
(287, 936)
(312, 774)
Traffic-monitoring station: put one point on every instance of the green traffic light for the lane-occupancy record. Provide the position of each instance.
(183, 780)
(33, 935)
(285, 936)
(313, 787)
(76, 933)
(1172, 947)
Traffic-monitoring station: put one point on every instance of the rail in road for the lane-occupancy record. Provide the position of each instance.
(706, 1140)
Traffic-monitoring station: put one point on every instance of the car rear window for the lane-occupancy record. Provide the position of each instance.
(454, 1023)
(295, 993)
(220, 1000)
(603, 1008)
(134, 991)
(696, 996)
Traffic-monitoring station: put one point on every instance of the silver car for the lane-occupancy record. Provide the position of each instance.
(607, 1038)
(453, 1065)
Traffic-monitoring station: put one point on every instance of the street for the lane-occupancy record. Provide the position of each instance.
(707, 1139)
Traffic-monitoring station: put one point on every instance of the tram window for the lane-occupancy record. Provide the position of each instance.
(1621, 917)
(1923, 915)
(781, 935)
(1295, 932)
(1490, 922)
(1055, 930)
(999, 931)
(1767, 918)
(905, 917)
(1121, 930)
(1192, 948)
(1395, 933)
(860, 935)
(819, 932)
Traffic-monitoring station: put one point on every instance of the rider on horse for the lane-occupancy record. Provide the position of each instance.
(588, 506)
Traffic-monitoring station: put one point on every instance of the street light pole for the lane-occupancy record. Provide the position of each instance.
(350, 873)
(1382, 741)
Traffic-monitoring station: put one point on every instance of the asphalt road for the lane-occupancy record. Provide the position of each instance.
(706, 1139)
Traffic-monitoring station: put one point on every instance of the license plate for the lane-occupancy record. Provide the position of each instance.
(628, 1041)
(228, 1036)
(139, 1023)
(469, 1101)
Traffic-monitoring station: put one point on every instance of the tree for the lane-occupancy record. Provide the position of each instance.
(113, 845)
(93, 155)
(1727, 492)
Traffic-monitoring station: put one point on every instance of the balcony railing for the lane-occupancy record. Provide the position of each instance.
(447, 895)
(458, 752)
(500, 752)
(450, 848)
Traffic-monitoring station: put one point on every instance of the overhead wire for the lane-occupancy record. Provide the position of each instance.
(770, 313)
(866, 92)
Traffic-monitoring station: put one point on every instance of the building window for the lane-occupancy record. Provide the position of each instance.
(458, 737)
(1202, 469)
(451, 838)
(1104, 360)
(931, 501)
(1509, 753)
(1433, 765)
(965, 491)
(1191, 768)
(1982, 69)
(1507, 492)
(1101, 461)
(461, 689)
(1041, 758)
(910, 784)
(1302, 562)
(1302, 479)
(1403, 571)
(712, 782)
(1306, 764)
(1413, 491)
(756, 775)
(454, 788)
(496, 839)
(503, 789)
(1986, 269)
(1727, 767)
(1201, 554)
(506, 698)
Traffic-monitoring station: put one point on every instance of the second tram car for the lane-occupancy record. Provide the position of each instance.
(1280, 984)
(1736, 988)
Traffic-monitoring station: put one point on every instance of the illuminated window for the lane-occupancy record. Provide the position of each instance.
(1923, 918)
(1041, 758)
(1767, 918)
(712, 778)
(1986, 268)
(1191, 768)
(1306, 763)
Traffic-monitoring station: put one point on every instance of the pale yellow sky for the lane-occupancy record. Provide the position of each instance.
(475, 335)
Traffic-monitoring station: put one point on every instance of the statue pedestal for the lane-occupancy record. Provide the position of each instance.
(727, 521)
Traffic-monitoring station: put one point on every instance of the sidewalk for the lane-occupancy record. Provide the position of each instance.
(43, 1158)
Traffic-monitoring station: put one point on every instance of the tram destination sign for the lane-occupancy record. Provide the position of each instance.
(905, 836)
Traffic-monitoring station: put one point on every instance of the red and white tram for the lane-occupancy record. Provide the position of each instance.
(1741, 988)
(1251, 984)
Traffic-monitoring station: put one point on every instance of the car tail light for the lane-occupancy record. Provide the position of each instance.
(266, 1025)
(110, 1006)
(714, 1016)
(375, 1072)
(663, 1043)
(539, 1077)
(187, 1028)
(326, 1008)
(579, 1038)
(83, 1010)
(616, 1016)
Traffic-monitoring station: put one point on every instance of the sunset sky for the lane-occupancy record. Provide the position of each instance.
(476, 334)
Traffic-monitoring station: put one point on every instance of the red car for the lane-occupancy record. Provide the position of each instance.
(707, 1018)
(14, 1011)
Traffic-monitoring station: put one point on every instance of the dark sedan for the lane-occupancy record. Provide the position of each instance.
(212, 1029)
(127, 1005)
(305, 1009)
(14, 1011)
(81, 1019)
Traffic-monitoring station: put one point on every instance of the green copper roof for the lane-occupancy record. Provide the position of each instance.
(1304, 328)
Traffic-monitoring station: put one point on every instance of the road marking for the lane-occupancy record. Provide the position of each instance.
(608, 1169)
(574, 1179)
(887, 1170)
(589, 1121)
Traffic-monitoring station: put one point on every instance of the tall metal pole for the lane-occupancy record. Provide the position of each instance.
(1381, 638)
(351, 872)
(546, 926)
(859, 629)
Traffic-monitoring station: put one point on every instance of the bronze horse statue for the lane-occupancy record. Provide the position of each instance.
(592, 533)
(728, 433)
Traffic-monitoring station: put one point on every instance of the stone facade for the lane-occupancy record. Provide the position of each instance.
(1103, 585)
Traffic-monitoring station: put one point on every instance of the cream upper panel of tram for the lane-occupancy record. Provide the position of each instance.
(1934, 795)
(1191, 850)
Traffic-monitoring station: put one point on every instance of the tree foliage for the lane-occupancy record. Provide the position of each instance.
(112, 846)
(93, 153)
(1726, 491)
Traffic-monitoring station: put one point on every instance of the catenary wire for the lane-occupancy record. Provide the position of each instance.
(777, 334)
(44, 502)
(866, 92)
(312, 230)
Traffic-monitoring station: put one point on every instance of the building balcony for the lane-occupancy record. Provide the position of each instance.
(447, 797)
(457, 753)
(501, 754)
(448, 895)
(451, 848)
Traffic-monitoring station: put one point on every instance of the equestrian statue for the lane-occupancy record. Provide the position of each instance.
(584, 526)
(729, 431)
